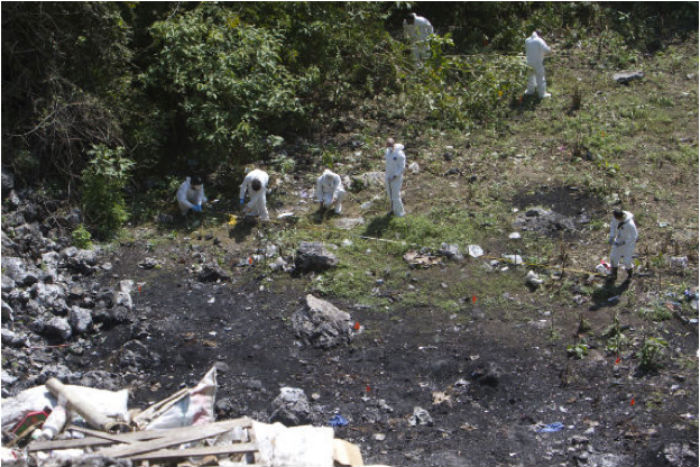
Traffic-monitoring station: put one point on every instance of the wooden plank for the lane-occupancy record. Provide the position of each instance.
(174, 437)
(172, 454)
(98, 438)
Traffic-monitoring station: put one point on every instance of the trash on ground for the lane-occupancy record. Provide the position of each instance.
(551, 428)
(475, 251)
(414, 259)
(533, 279)
(174, 430)
(337, 420)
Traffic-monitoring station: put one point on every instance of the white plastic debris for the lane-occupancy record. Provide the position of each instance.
(514, 236)
(532, 278)
(475, 251)
(515, 259)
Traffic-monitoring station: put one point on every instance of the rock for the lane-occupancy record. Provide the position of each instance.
(122, 297)
(320, 324)
(679, 454)
(8, 378)
(8, 182)
(7, 284)
(7, 312)
(135, 355)
(347, 223)
(603, 460)
(489, 374)
(149, 263)
(291, 407)
(57, 327)
(313, 256)
(12, 339)
(80, 320)
(626, 76)
(100, 379)
(58, 371)
(18, 271)
(678, 262)
(451, 251)
(13, 200)
(420, 417)
(212, 273)
(74, 218)
(51, 296)
(81, 261)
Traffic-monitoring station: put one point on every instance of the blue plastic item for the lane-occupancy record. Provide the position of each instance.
(337, 420)
(551, 428)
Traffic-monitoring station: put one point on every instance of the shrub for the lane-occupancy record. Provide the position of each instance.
(81, 237)
(103, 182)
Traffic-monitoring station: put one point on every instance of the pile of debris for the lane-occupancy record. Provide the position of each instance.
(59, 424)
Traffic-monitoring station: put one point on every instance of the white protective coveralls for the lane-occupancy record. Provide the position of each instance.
(330, 191)
(417, 35)
(395, 165)
(188, 197)
(535, 50)
(257, 206)
(623, 237)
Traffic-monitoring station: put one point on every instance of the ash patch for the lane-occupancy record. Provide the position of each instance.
(549, 222)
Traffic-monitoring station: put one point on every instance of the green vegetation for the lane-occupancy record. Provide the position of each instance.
(81, 237)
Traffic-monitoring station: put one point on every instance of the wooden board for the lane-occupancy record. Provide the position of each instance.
(174, 437)
(173, 454)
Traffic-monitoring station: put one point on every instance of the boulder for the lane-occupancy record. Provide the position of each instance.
(212, 273)
(57, 327)
(18, 271)
(626, 76)
(313, 256)
(320, 324)
(291, 408)
(80, 320)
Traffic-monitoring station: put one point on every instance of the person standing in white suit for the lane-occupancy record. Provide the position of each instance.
(255, 184)
(395, 166)
(330, 191)
(623, 238)
(535, 50)
(417, 29)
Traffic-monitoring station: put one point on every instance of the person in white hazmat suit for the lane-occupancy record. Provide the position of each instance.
(330, 191)
(535, 50)
(623, 238)
(416, 30)
(395, 166)
(190, 195)
(255, 184)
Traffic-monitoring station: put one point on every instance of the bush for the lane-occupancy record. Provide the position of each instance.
(103, 182)
(81, 237)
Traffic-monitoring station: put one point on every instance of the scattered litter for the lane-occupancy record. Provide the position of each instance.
(515, 259)
(475, 251)
(413, 258)
(614, 299)
(603, 267)
(551, 428)
(514, 236)
(533, 279)
(379, 436)
(414, 168)
(337, 420)
(420, 417)
(663, 224)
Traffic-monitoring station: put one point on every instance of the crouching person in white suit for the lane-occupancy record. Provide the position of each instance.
(623, 238)
(395, 165)
(255, 184)
(190, 195)
(330, 191)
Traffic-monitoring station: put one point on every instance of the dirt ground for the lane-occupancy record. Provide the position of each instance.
(489, 380)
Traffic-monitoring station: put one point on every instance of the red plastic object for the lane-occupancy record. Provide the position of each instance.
(31, 419)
